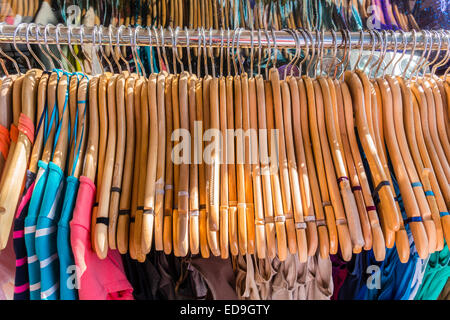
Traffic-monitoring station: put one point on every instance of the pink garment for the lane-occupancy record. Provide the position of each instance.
(97, 279)
(7, 270)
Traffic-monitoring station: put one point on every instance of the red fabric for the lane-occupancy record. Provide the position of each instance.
(26, 126)
(5, 141)
(98, 279)
(13, 132)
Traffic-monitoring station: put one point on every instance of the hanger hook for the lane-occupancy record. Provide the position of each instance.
(259, 51)
(383, 49)
(446, 56)
(306, 55)
(174, 49)
(428, 63)
(163, 48)
(269, 52)
(69, 38)
(344, 55)
(347, 58)
(275, 49)
(205, 53)
(394, 35)
(158, 49)
(411, 54)
(213, 65)
(16, 66)
(141, 65)
(333, 35)
(361, 44)
(15, 45)
(119, 52)
(58, 45)
(221, 52)
(294, 58)
(238, 51)
(423, 60)
(113, 50)
(188, 49)
(46, 32)
(30, 25)
(372, 42)
(43, 49)
(252, 48)
(313, 51)
(405, 42)
(380, 56)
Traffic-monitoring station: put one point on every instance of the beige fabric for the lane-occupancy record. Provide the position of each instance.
(263, 279)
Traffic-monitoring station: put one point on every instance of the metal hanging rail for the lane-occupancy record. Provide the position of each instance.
(126, 36)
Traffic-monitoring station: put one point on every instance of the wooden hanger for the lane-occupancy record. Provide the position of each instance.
(14, 173)
(176, 167)
(249, 208)
(183, 190)
(240, 172)
(432, 127)
(429, 153)
(127, 179)
(224, 208)
(214, 165)
(272, 228)
(379, 176)
(319, 164)
(101, 228)
(152, 158)
(38, 145)
(133, 249)
(335, 141)
(160, 169)
(410, 203)
(259, 222)
(280, 220)
(233, 230)
(103, 131)
(204, 247)
(426, 175)
(119, 158)
(212, 235)
(303, 178)
(194, 213)
(300, 225)
(6, 115)
(352, 174)
(284, 171)
(336, 202)
(399, 88)
(324, 242)
(143, 161)
(439, 190)
(168, 189)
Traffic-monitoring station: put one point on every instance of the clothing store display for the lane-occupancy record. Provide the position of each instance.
(224, 150)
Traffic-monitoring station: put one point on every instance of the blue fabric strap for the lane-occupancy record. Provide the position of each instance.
(443, 214)
(413, 219)
(429, 193)
(416, 184)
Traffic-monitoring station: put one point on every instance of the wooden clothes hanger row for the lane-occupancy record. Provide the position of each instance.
(314, 194)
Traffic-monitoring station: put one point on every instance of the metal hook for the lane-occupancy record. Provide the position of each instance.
(423, 60)
(313, 51)
(275, 48)
(269, 53)
(294, 59)
(44, 51)
(94, 38)
(228, 53)
(48, 48)
(380, 56)
(394, 35)
(16, 66)
(405, 42)
(141, 65)
(30, 25)
(213, 65)
(446, 57)
(69, 35)
(238, 51)
(333, 34)
(428, 63)
(188, 49)
(199, 52)
(100, 38)
(411, 54)
(298, 53)
(361, 43)
(259, 51)
(383, 50)
(251, 53)
(15, 45)
(58, 46)
(174, 49)
(163, 48)
(305, 38)
(233, 54)
(158, 49)
(205, 54)
(119, 52)
(113, 50)
(347, 62)
(344, 55)
(372, 41)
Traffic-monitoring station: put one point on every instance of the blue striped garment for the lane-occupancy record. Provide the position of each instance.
(46, 233)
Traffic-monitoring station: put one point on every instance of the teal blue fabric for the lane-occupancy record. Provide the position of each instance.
(68, 289)
(30, 228)
(436, 275)
(46, 230)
